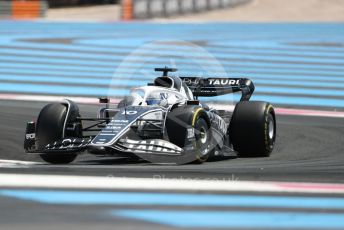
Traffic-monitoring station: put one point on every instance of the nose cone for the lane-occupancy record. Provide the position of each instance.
(120, 124)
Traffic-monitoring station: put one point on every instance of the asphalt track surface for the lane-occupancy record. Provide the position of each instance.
(308, 149)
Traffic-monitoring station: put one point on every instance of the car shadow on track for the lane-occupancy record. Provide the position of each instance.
(137, 161)
(111, 161)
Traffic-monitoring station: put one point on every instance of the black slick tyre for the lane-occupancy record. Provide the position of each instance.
(50, 126)
(203, 139)
(253, 129)
(177, 123)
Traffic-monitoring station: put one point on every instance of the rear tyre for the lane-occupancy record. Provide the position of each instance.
(50, 126)
(253, 129)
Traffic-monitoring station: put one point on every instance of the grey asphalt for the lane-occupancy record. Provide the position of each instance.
(308, 149)
(19, 214)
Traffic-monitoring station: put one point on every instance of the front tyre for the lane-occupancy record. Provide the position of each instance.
(58, 159)
(180, 121)
(50, 125)
(253, 129)
(203, 139)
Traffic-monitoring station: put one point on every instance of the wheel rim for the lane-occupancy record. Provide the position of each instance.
(203, 135)
(271, 129)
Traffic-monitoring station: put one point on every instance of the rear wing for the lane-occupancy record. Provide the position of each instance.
(209, 87)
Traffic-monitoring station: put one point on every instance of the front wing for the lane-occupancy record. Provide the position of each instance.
(152, 150)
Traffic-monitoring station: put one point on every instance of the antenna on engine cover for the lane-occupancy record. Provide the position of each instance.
(165, 70)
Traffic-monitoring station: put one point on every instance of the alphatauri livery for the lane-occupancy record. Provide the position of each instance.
(163, 122)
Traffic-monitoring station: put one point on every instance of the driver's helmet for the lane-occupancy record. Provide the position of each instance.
(156, 98)
(153, 101)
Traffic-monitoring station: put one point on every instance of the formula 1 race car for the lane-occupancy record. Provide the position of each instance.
(163, 122)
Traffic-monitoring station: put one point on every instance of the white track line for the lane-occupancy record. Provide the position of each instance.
(16, 164)
(19, 97)
(94, 101)
(164, 185)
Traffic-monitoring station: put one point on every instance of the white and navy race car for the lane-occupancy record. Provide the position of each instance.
(163, 122)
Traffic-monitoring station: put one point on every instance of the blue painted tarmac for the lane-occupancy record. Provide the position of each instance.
(296, 65)
(183, 209)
